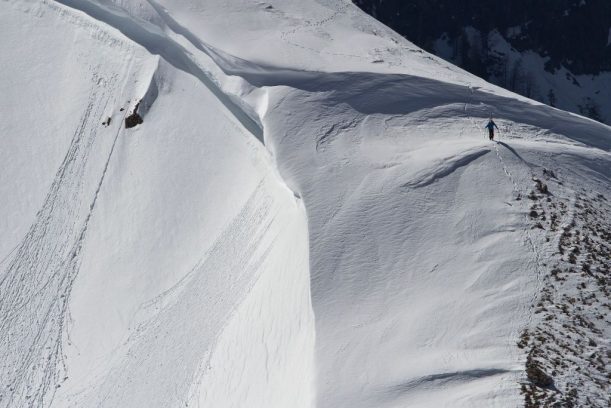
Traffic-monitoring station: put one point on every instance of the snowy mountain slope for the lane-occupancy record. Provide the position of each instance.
(127, 233)
(176, 268)
(442, 308)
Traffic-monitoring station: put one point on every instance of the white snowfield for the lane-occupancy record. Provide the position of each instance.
(310, 214)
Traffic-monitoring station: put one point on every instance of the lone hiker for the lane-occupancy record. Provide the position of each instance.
(490, 126)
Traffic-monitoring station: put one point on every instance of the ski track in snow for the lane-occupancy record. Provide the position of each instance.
(36, 284)
(286, 35)
(231, 267)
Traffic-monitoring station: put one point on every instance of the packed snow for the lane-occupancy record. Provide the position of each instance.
(309, 214)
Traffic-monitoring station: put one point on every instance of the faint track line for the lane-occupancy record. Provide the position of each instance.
(35, 286)
(536, 253)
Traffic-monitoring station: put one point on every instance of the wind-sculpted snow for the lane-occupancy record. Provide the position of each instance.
(153, 39)
(444, 168)
(170, 265)
(366, 92)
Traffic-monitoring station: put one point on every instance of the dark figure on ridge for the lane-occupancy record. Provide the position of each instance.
(490, 126)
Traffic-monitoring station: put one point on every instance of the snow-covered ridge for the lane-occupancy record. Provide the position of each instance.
(155, 41)
(169, 264)
(99, 303)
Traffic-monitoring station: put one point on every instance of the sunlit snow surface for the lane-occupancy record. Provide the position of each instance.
(310, 214)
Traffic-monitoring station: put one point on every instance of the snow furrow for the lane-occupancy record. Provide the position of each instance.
(446, 167)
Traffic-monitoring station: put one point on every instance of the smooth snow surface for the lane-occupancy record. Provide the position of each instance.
(309, 215)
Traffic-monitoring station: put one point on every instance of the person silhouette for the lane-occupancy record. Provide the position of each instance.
(490, 126)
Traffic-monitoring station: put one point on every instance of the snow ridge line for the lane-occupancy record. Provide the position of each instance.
(158, 43)
(154, 40)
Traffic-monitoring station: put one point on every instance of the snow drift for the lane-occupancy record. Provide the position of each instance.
(309, 214)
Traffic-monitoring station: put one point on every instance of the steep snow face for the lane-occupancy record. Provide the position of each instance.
(424, 261)
(214, 240)
(146, 266)
(173, 263)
